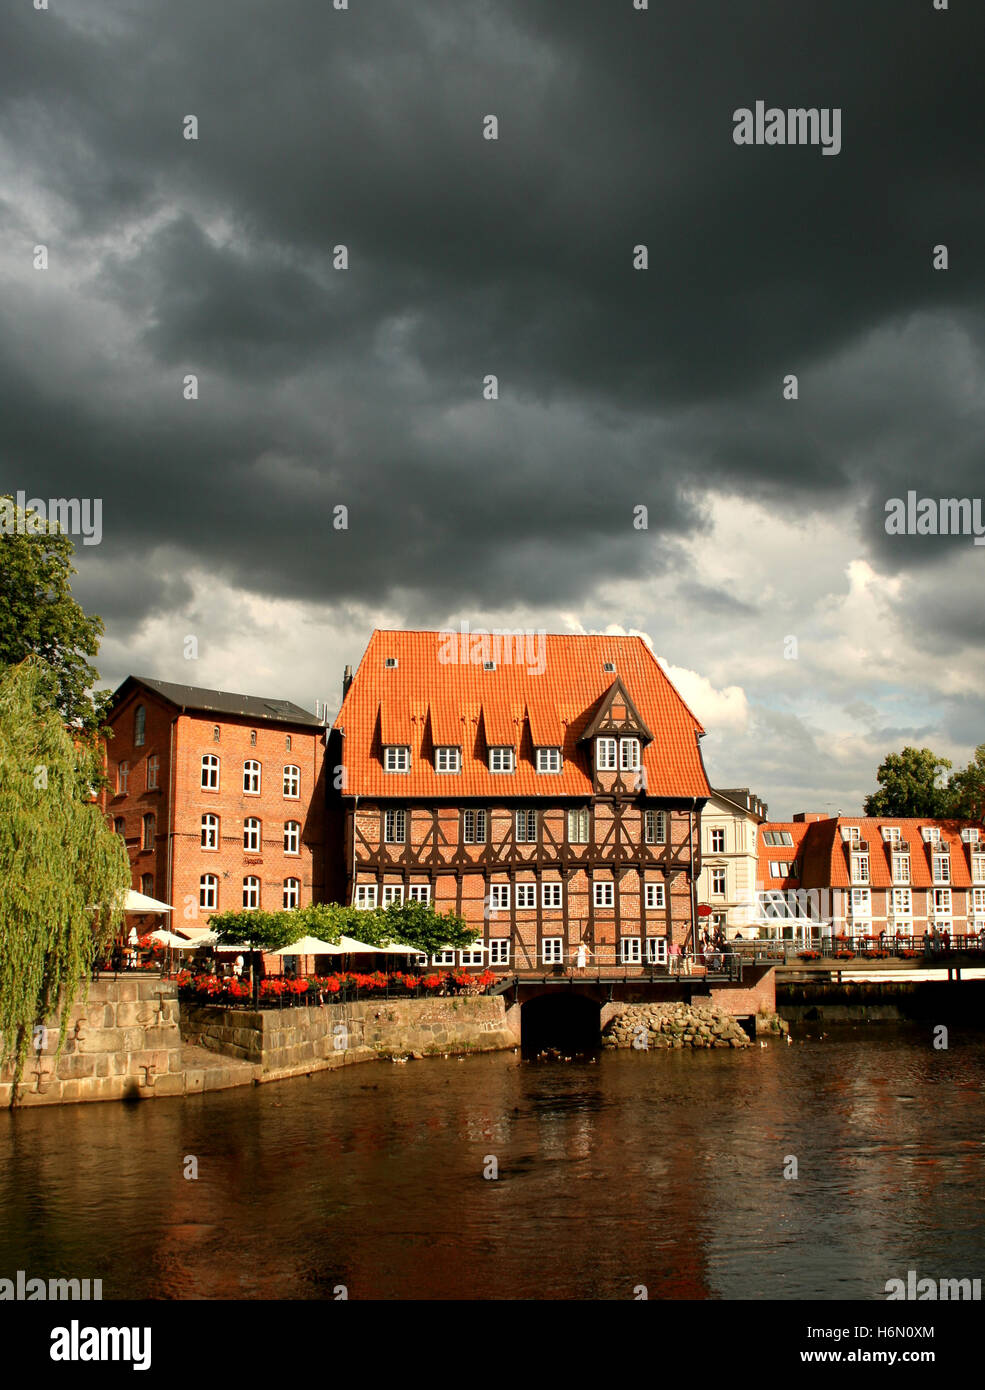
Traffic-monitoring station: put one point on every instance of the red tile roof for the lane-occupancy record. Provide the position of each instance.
(824, 855)
(518, 704)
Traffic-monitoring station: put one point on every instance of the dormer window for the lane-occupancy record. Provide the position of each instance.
(931, 834)
(605, 755)
(942, 868)
(891, 834)
(548, 760)
(851, 833)
(629, 754)
(448, 759)
(970, 835)
(501, 760)
(396, 758)
(901, 867)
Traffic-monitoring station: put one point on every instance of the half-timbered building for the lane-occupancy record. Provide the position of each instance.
(554, 804)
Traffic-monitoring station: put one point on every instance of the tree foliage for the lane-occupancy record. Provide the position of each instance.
(39, 617)
(63, 872)
(416, 925)
(910, 785)
(966, 789)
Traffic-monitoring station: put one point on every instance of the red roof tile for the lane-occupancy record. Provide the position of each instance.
(824, 854)
(516, 703)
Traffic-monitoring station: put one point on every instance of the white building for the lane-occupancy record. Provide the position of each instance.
(729, 860)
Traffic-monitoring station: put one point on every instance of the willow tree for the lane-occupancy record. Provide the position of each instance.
(63, 872)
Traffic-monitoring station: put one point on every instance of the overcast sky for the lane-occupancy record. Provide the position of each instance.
(618, 387)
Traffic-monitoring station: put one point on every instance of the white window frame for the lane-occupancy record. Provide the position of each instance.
(392, 893)
(210, 771)
(526, 897)
(901, 902)
(502, 759)
(719, 877)
(579, 816)
(548, 760)
(396, 757)
(655, 897)
(942, 866)
(251, 777)
(394, 826)
(208, 892)
(419, 892)
(364, 896)
(292, 837)
(629, 755)
(630, 950)
(526, 818)
(475, 826)
(656, 950)
(499, 897)
(499, 950)
(551, 895)
(860, 902)
(891, 834)
(978, 901)
(901, 867)
(448, 758)
(860, 866)
(251, 889)
(942, 901)
(291, 893)
(655, 827)
(252, 834)
(978, 868)
(603, 893)
(716, 840)
(606, 755)
(931, 834)
(443, 958)
(552, 950)
(473, 955)
(292, 781)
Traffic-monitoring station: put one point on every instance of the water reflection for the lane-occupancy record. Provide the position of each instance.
(656, 1169)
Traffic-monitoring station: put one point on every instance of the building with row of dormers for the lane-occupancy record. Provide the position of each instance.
(862, 876)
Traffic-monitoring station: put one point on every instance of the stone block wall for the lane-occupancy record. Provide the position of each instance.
(122, 1041)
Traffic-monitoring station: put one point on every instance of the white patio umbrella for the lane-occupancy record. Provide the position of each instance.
(310, 946)
(347, 944)
(139, 902)
(176, 943)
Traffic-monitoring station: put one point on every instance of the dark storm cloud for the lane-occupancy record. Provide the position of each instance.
(469, 257)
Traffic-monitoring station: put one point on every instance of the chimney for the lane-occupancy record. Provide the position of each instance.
(346, 681)
(812, 816)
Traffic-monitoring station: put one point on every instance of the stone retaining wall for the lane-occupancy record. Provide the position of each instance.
(288, 1042)
(123, 1042)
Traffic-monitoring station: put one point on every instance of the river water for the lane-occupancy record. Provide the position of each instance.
(662, 1170)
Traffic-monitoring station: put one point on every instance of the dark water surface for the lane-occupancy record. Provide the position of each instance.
(657, 1169)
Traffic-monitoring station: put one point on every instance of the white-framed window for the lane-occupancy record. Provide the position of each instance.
(891, 834)
(860, 867)
(548, 760)
(251, 777)
(501, 760)
(655, 896)
(443, 958)
(978, 901)
(971, 835)
(901, 867)
(550, 894)
(394, 827)
(942, 868)
(942, 902)
(419, 892)
(931, 834)
(365, 895)
(629, 754)
(718, 881)
(448, 759)
(396, 758)
(526, 896)
(292, 892)
(153, 771)
(139, 725)
(499, 950)
(473, 956)
(655, 827)
(392, 893)
(605, 755)
(474, 827)
(578, 825)
(122, 778)
(292, 837)
(784, 868)
(552, 950)
(251, 892)
(630, 950)
(292, 781)
(208, 891)
(716, 840)
(603, 892)
(860, 903)
(656, 950)
(251, 833)
(499, 897)
(150, 830)
(526, 827)
(777, 837)
(902, 902)
(978, 868)
(851, 833)
(210, 772)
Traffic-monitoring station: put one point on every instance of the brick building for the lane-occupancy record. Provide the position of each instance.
(865, 875)
(219, 798)
(554, 805)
